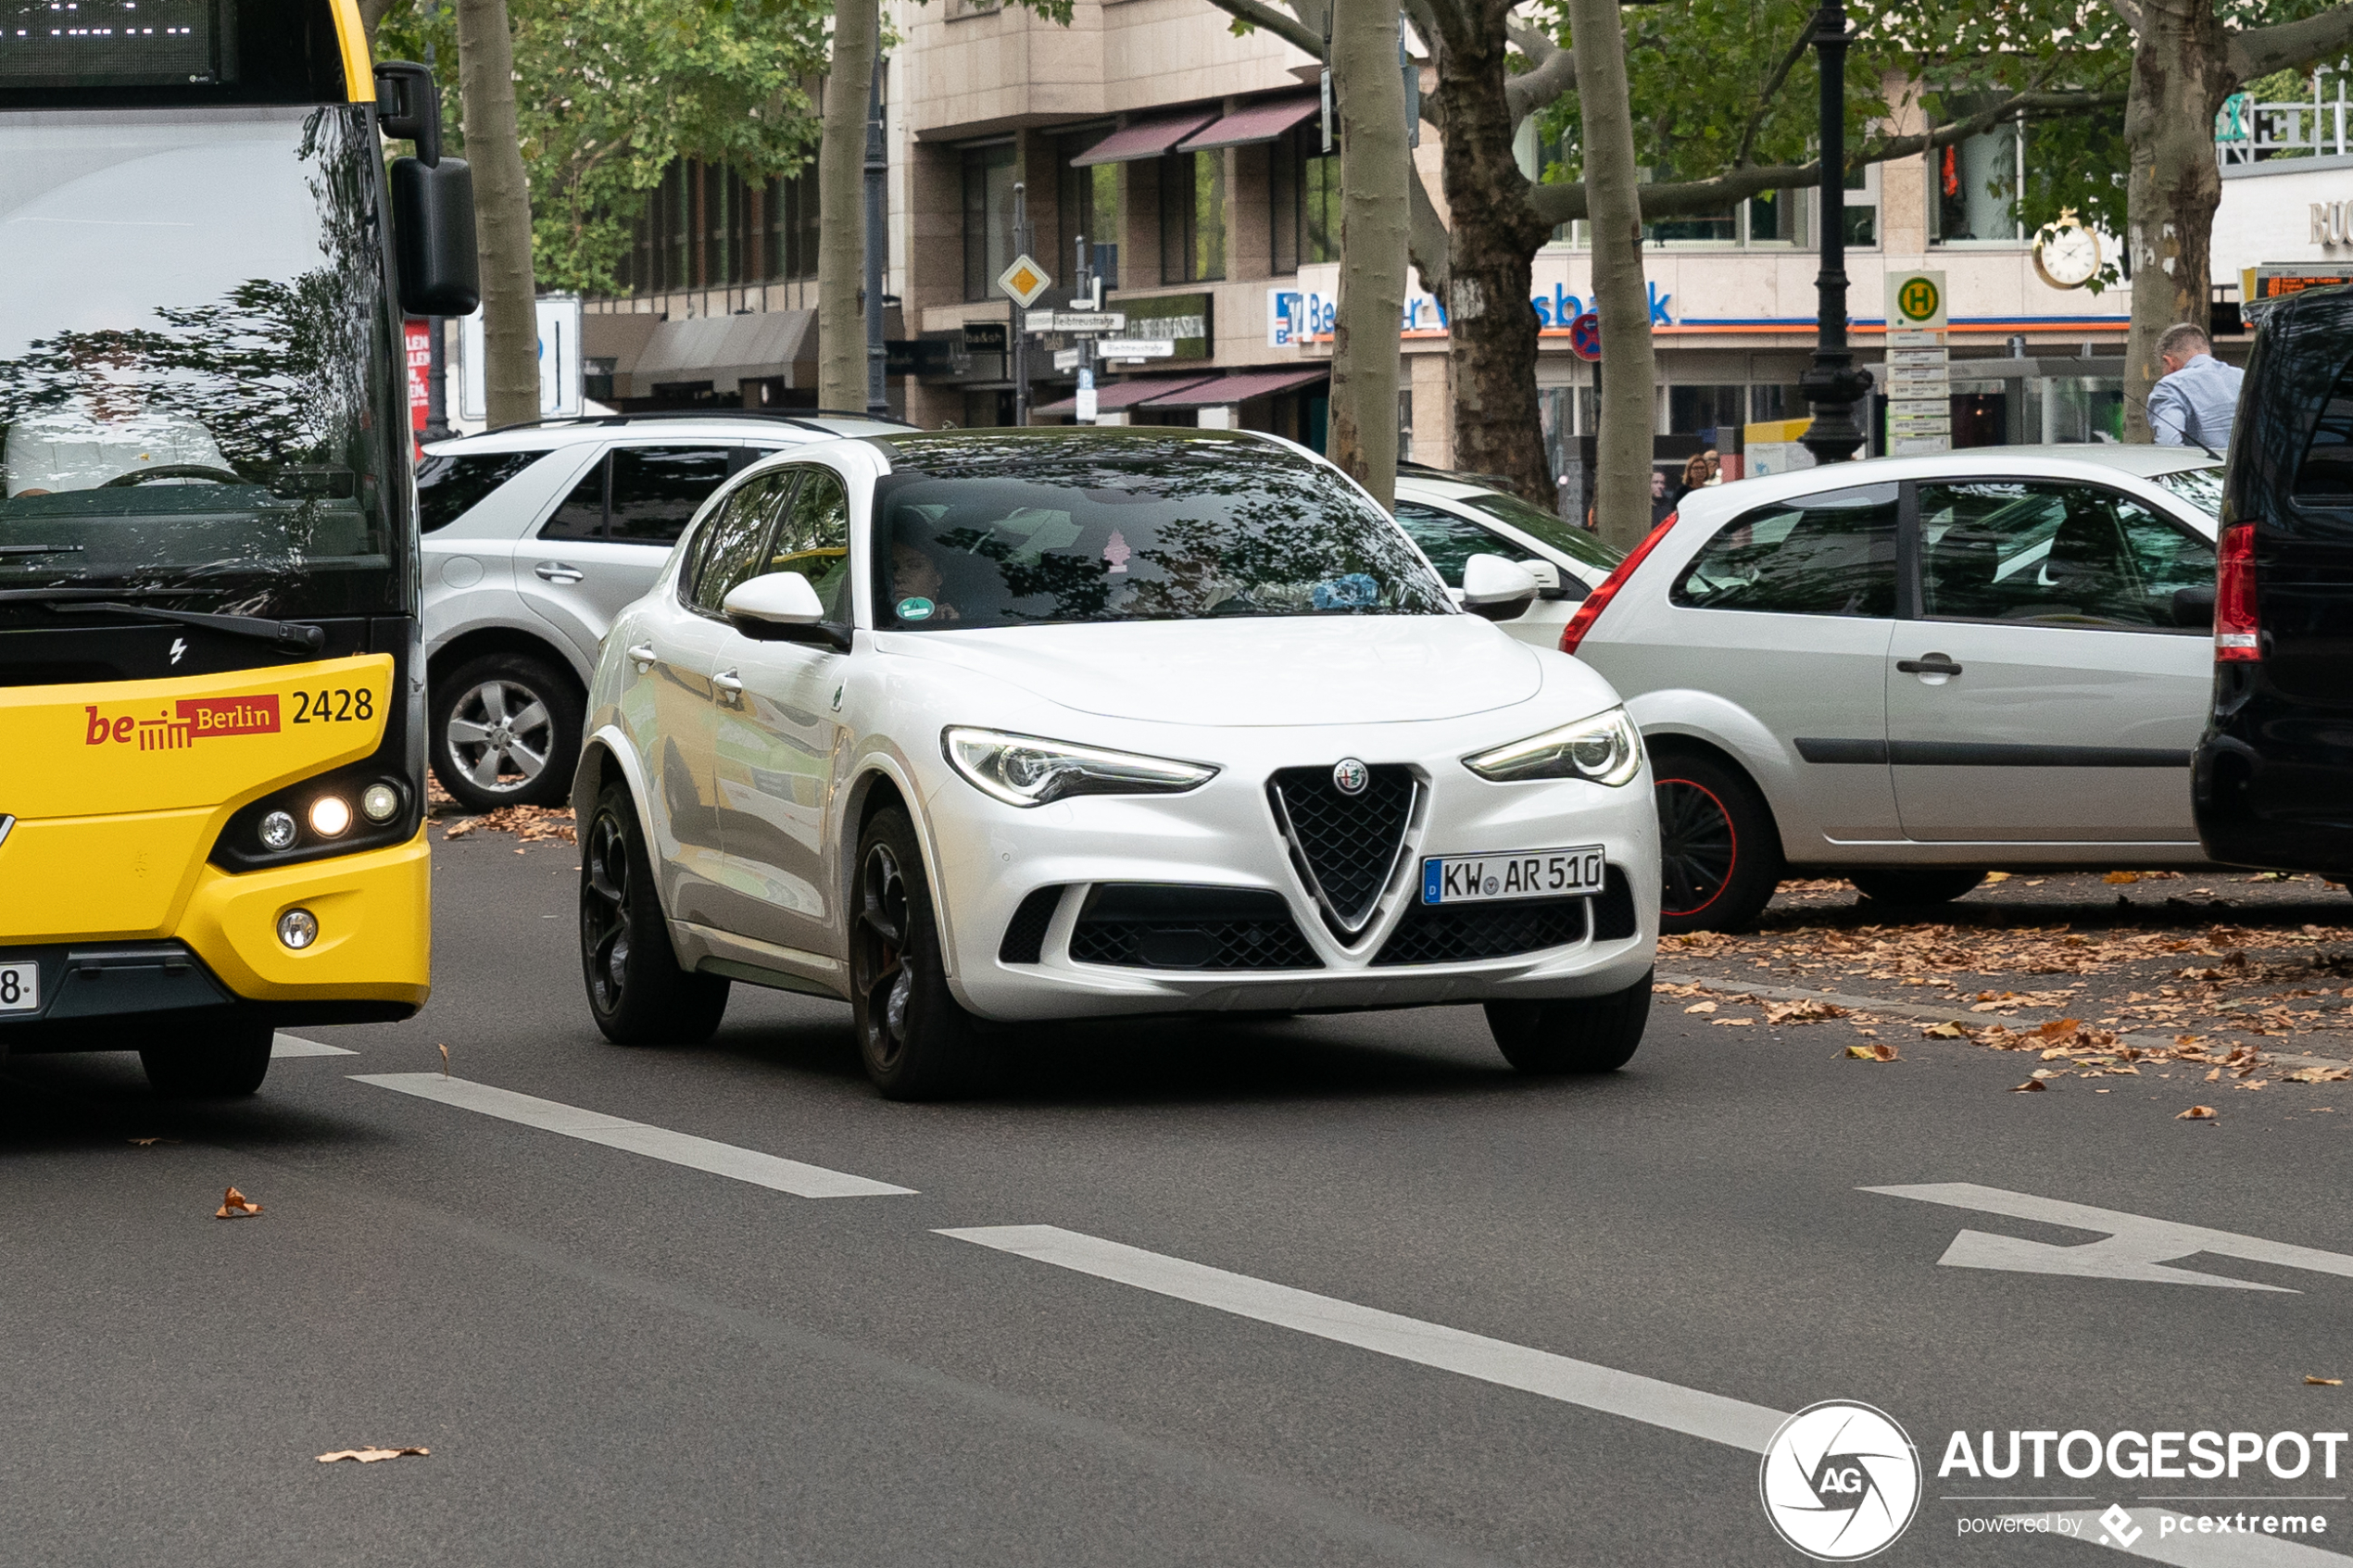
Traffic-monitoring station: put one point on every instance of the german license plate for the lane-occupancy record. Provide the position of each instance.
(19, 987)
(1531, 874)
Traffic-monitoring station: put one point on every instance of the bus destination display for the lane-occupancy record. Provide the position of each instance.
(66, 43)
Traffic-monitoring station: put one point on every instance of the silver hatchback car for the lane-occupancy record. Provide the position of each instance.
(534, 537)
(1910, 671)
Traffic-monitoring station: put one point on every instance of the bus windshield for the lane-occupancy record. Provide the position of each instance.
(198, 407)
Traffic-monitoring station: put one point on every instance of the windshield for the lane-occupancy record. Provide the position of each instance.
(2201, 488)
(196, 402)
(990, 528)
(1568, 538)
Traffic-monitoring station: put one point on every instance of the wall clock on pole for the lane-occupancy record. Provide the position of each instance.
(2067, 254)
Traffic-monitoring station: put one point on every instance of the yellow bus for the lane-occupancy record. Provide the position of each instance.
(211, 687)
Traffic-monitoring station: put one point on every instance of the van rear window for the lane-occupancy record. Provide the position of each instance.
(2326, 473)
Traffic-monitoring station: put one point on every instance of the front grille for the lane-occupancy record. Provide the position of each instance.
(1463, 932)
(1026, 933)
(1159, 925)
(1346, 846)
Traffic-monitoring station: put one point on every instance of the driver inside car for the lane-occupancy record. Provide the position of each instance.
(106, 430)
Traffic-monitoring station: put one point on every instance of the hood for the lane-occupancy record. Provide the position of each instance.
(1280, 670)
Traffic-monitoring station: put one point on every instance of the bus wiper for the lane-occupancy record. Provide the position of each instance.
(40, 549)
(292, 636)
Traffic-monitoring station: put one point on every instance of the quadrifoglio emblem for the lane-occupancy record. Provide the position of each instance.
(1840, 1481)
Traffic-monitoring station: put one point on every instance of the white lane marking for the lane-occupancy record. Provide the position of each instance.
(2191, 1550)
(2137, 1248)
(295, 1045)
(656, 1142)
(1733, 1422)
(1720, 1420)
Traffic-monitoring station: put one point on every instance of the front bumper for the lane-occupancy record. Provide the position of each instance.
(992, 859)
(372, 959)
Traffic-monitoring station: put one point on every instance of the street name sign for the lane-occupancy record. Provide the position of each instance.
(1136, 348)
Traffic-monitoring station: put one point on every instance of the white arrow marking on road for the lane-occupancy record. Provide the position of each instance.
(2137, 1247)
(1733, 1422)
(658, 1143)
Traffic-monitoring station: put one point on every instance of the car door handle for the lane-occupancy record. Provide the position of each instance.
(557, 571)
(642, 656)
(1934, 664)
(729, 680)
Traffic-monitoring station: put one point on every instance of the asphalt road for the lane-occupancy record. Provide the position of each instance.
(618, 1356)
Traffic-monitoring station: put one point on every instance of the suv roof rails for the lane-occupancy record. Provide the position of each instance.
(800, 417)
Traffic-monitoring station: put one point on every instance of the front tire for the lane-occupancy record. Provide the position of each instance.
(505, 730)
(637, 992)
(917, 1042)
(225, 1062)
(1581, 1035)
(1719, 855)
(1934, 886)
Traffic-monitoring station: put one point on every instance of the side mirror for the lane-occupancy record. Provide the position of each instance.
(1497, 589)
(781, 606)
(2194, 607)
(1548, 578)
(433, 232)
(408, 106)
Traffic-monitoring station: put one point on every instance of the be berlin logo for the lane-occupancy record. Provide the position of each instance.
(1840, 1481)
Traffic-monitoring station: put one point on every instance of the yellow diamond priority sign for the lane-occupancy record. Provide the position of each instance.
(1025, 279)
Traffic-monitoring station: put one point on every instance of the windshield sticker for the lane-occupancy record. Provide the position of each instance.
(1117, 552)
(197, 717)
(1354, 590)
(915, 609)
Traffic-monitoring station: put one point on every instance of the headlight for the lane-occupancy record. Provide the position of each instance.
(1024, 770)
(1606, 748)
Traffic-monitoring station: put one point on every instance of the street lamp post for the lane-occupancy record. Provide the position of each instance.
(1833, 385)
(877, 247)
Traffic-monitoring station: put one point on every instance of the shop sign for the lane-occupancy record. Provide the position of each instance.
(1182, 321)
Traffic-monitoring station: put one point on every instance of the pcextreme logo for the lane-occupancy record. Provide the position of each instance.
(1840, 1481)
(196, 718)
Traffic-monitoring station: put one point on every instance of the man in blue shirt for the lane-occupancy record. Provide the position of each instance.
(2198, 396)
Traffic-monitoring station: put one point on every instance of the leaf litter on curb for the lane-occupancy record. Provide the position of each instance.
(370, 1455)
(235, 1205)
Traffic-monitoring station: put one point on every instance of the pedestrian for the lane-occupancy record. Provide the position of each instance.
(1661, 503)
(2194, 402)
(1695, 475)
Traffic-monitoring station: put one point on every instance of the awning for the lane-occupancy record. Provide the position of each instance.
(1238, 387)
(723, 350)
(1111, 396)
(1146, 138)
(1257, 122)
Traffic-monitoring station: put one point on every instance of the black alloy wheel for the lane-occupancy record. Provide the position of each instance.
(637, 992)
(1719, 854)
(917, 1042)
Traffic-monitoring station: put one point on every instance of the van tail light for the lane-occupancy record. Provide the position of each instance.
(2237, 629)
(1598, 600)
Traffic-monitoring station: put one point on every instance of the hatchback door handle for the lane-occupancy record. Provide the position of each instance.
(642, 656)
(729, 680)
(1934, 664)
(557, 571)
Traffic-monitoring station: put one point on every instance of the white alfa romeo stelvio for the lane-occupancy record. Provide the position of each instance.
(979, 729)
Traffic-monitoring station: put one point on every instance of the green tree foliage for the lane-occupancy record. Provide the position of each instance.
(610, 93)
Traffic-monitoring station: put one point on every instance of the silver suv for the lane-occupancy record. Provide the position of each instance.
(534, 537)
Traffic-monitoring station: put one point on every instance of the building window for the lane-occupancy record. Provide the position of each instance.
(1304, 196)
(1704, 410)
(1192, 218)
(708, 228)
(989, 217)
(1089, 205)
(1973, 189)
(1862, 207)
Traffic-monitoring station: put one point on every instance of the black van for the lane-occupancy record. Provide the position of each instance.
(2273, 782)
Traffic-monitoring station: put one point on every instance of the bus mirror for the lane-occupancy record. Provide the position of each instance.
(432, 223)
(409, 107)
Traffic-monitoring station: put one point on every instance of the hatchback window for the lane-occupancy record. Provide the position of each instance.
(2052, 553)
(1562, 535)
(813, 539)
(1450, 541)
(656, 490)
(1832, 554)
(733, 544)
(2326, 473)
(582, 513)
(450, 486)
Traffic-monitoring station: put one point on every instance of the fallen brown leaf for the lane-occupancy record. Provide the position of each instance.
(1946, 1031)
(2058, 1026)
(236, 1205)
(1732, 1022)
(2313, 1381)
(2319, 1075)
(2198, 1113)
(2214, 1074)
(369, 1455)
(1700, 1007)
(2122, 879)
(2029, 1086)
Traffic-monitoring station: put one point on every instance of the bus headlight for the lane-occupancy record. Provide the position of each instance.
(379, 802)
(329, 816)
(297, 929)
(276, 831)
